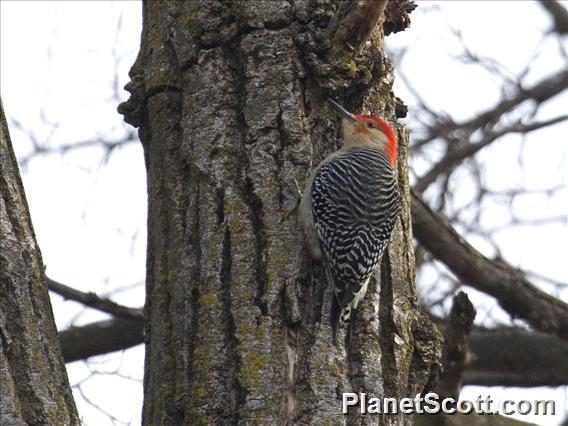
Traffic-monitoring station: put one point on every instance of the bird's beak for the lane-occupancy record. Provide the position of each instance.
(342, 112)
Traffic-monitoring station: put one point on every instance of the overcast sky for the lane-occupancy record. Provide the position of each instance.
(61, 63)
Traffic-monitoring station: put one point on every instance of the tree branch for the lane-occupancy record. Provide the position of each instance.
(513, 356)
(558, 13)
(93, 301)
(445, 127)
(455, 350)
(100, 338)
(38, 149)
(454, 157)
(516, 295)
(539, 93)
(504, 356)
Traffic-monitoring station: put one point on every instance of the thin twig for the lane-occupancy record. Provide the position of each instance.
(93, 301)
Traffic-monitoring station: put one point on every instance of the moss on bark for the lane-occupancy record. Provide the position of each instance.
(231, 103)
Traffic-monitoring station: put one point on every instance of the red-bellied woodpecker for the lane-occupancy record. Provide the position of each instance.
(349, 208)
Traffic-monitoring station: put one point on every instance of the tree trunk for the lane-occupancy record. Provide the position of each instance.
(231, 103)
(34, 388)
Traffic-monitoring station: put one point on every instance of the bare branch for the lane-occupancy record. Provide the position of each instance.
(107, 145)
(452, 131)
(539, 93)
(456, 346)
(556, 283)
(506, 356)
(563, 219)
(455, 156)
(100, 338)
(93, 301)
(502, 356)
(114, 419)
(516, 295)
(558, 13)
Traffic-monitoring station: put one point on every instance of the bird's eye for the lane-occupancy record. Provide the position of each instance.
(371, 125)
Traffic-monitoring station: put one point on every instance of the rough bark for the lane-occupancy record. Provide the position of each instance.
(34, 388)
(456, 347)
(230, 99)
(503, 356)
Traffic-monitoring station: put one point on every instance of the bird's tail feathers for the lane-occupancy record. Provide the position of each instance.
(335, 312)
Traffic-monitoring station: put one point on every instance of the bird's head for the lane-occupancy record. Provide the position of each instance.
(367, 131)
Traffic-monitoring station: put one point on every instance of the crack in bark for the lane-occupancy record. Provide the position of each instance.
(387, 328)
(278, 160)
(161, 88)
(220, 207)
(160, 287)
(254, 204)
(237, 243)
(195, 293)
(238, 393)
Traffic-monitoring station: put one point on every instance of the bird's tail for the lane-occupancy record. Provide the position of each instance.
(336, 314)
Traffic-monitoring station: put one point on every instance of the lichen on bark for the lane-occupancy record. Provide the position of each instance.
(231, 103)
(34, 388)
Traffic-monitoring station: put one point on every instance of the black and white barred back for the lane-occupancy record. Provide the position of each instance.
(355, 202)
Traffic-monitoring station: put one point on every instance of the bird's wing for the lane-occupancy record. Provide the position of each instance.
(350, 202)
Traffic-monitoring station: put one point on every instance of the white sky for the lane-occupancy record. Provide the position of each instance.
(57, 66)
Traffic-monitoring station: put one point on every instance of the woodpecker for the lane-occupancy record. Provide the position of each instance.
(349, 207)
